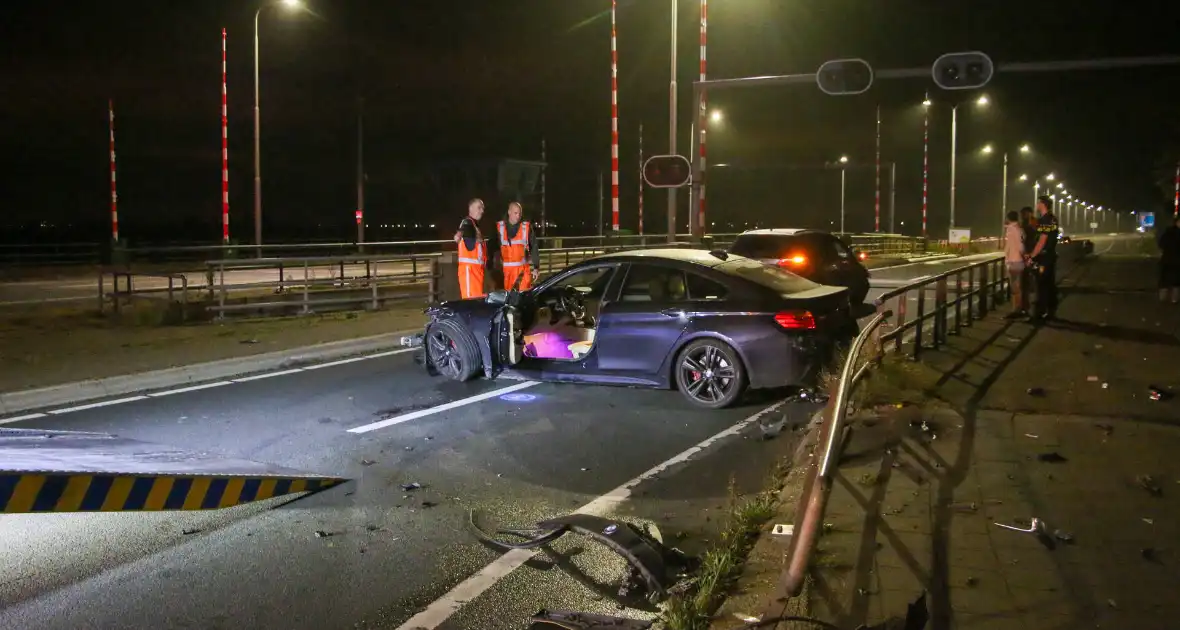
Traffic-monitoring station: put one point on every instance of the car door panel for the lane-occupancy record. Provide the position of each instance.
(636, 335)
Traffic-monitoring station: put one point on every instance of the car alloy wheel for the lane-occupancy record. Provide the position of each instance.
(709, 374)
(452, 350)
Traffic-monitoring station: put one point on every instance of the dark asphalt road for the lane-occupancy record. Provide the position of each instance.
(390, 553)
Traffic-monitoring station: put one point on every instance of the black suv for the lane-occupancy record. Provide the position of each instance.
(814, 254)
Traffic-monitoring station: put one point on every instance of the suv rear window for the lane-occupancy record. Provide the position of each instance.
(777, 279)
(762, 245)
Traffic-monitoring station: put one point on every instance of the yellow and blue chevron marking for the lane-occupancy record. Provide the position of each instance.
(74, 492)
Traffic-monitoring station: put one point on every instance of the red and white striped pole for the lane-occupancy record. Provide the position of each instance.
(641, 179)
(877, 206)
(224, 151)
(925, 163)
(703, 122)
(614, 122)
(1176, 198)
(114, 195)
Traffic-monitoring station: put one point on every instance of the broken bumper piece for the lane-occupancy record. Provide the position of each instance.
(552, 620)
(653, 569)
(413, 341)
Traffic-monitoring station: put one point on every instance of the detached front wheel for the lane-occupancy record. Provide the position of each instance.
(710, 374)
(452, 350)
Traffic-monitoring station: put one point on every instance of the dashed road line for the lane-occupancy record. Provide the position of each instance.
(388, 422)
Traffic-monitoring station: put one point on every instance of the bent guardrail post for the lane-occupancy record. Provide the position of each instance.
(817, 485)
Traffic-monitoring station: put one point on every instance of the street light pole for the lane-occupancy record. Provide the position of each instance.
(892, 193)
(1004, 200)
(954, 140)
(842, 170)
(672, 126)
(257, 146)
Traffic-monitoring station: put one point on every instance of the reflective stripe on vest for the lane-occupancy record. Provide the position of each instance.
(514, 252)
(475, 256)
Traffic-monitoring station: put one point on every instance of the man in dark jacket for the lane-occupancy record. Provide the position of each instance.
(1044, 254)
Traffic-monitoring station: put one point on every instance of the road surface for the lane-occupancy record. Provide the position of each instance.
(516, 452)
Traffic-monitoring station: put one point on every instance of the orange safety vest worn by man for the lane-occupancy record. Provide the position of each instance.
(472, 256)
(517, 247)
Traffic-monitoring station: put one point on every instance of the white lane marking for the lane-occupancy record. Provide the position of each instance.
(320, 366)
(47, 300)
(31, 416)
(194, 388)
(437, 613)
(259, 377)
(388, 422)
(105, 403)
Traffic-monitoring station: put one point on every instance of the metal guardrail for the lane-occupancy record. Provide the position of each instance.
(230, 284)
(991, 285)
(817, 484)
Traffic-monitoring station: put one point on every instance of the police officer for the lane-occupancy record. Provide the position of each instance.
(1044, 255)
(517, 249)
(472, 255)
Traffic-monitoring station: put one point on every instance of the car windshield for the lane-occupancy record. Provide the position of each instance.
(762, 245)
(775, 278)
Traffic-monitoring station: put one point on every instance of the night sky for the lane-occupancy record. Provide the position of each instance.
(490, 78)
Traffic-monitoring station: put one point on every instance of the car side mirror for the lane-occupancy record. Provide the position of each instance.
(497, 297)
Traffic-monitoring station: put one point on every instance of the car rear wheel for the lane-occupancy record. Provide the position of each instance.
(709, 374)
(452, 350)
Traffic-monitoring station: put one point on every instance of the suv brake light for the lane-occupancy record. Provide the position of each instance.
(862, 256)
(793, 261)
(795, 320)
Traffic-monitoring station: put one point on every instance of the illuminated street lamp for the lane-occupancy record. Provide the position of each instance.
(1050, 177)
(290, 5)
(987, 150)
(715, 116)
(1023, 178)
(981, 101)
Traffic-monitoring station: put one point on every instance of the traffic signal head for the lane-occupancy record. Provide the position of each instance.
(962, 71)
(844, 76)
(667, 171)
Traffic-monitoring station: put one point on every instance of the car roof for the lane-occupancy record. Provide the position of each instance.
(784, 231)
(694, 256)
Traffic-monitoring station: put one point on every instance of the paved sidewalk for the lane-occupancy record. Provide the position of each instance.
(918, 501)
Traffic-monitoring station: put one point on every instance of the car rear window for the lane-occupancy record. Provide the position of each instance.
(762, 245)
(775, 278)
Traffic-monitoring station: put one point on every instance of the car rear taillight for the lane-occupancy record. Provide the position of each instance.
(795, 320)
(797, 260)
(862, 256)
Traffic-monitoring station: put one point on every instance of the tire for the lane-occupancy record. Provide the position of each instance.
(452, 350)
(706, 387)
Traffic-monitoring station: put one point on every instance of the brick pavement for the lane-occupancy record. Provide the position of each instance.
(916, 508)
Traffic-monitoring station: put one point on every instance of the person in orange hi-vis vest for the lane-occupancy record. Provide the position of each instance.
(517, 250)
(472, 255)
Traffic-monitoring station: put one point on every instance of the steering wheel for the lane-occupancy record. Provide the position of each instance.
(569, 300)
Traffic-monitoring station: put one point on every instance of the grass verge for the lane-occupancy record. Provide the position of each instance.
(722, 564)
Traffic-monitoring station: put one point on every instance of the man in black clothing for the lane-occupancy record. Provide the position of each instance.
(1044, 255)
